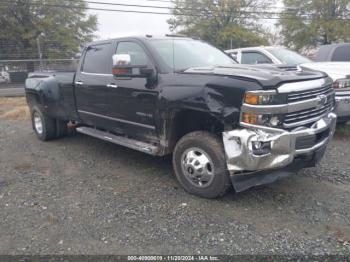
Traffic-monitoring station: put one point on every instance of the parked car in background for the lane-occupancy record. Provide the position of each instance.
(334, 52)
(338, 71)
(4, 75)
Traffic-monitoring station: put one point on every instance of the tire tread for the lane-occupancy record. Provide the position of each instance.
(49, 125)
(214, 143)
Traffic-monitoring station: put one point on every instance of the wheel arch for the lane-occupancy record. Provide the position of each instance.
(184, 121)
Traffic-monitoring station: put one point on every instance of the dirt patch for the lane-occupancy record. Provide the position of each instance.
(14, 109)
(20, 113)
(12, 102)
(22, 167)
(52, 219)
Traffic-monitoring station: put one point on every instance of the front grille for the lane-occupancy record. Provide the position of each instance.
(309, 115)
(310, 94)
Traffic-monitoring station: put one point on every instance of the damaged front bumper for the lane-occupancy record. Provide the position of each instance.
(258, 155)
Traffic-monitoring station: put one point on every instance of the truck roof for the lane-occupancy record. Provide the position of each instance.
(252, 48)
(143, 38)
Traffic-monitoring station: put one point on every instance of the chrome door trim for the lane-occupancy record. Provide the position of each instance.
(118, 119)
(96, 74)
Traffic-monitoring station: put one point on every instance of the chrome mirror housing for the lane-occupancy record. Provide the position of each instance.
(121, 60)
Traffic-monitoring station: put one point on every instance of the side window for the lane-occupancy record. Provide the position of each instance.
(136, 52)
(98, 59)
(255, 58)
(342, 53)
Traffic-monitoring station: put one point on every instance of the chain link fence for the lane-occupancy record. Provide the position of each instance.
(14, 72)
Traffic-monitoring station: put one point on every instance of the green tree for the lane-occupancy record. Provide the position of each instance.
(221, 22)
(307, 24)
(60, 27)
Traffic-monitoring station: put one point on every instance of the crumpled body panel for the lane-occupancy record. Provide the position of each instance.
(239, 155)
(239, 152)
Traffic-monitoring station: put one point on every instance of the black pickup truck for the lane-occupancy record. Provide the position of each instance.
(224, 124)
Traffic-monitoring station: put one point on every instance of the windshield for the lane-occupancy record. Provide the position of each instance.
(181, 54)
(289, 57)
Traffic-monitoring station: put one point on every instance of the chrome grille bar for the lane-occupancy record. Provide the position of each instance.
(306, 116)
(297, 96)
(310, 115)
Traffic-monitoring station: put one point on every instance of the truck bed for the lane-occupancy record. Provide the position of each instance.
(54, 89)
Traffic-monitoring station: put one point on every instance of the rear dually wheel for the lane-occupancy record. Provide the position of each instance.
(44, 126)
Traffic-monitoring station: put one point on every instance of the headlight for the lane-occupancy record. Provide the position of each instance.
(258, 99)
(265, 120)
(342, 83)
(264, 97)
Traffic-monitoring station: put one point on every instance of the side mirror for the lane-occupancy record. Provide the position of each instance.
(122, 67)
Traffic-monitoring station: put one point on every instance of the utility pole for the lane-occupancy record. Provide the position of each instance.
(40, 54)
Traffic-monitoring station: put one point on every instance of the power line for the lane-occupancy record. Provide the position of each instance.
(38, 60)
(132, 5)
(162, 13)
(183, 2)
(172, 8)
(180, 2)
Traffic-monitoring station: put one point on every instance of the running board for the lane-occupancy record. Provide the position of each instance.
(119, 140)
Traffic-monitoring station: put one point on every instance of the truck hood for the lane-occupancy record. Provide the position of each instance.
(268, 76)
(335, 70)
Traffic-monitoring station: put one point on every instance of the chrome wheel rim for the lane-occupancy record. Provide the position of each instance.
(38, 123)
(197, 167)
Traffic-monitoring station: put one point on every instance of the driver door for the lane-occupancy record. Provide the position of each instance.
(131, 104)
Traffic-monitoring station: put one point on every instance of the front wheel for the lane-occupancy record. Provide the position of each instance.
(200, 165)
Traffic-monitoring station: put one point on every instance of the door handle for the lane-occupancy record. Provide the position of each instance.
(112, 86)
(79, 83)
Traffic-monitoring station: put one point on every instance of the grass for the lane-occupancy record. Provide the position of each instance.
(343, 131)
(14, 108)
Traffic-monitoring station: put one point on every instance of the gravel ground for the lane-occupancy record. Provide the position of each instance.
(79, 195)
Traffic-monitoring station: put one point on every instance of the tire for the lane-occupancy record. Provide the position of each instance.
(207, 150)
(43, 126)
(61, 128)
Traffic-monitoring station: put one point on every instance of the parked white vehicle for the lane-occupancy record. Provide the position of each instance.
(4, 76)
(338, 71)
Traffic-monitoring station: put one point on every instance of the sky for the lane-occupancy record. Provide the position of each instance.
(118, 24)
